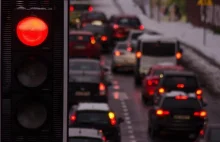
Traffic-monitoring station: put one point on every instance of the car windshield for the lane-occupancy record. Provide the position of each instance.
(92, 117)
(129, 22)
(158, 49)
(96, 16)
(83, 139)
(134, 36)
(79, 38)
(214, 135)
(188, 82)
(121, 46)
(172, 103)
(84, 66)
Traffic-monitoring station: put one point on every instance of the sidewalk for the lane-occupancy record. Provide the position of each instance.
(186, 33)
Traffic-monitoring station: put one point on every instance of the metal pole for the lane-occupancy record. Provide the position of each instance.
(204, 26)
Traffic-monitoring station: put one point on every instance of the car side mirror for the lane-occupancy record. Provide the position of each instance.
(120, 120)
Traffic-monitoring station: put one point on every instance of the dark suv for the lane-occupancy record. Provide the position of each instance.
(177, 112)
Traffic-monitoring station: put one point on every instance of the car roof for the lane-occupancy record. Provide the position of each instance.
(80, 2)
(178, 73)
(85, 132)
(81, 32)
(93, 106)
(155, 38)
(83, 60)
(172, 94)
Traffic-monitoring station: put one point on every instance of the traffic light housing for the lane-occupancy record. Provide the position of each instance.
(32, 88)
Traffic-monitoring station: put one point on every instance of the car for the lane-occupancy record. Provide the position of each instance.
(85, 135)
(211, 133)
(76, 9)
(122, 24)
(177, 112)
(99, 116)
(152, 79)
(87, 81)
(154, 49)
(123, 56)
(133, 36)
(83, 44)
(186, 81)
(89, 17)
(102, 34)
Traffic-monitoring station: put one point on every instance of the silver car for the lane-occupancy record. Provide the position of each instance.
(123, 57)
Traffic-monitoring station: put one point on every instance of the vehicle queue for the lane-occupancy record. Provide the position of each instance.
(174, 94)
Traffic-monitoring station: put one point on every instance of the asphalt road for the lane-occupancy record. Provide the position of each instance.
(126, 100)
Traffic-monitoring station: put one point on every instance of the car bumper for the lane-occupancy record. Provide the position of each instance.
(123, 62)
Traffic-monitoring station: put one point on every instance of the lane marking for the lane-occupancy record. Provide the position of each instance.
(125, 110)
(133, 141)
(120, 96)
(130, 131)
(130, 127)
(123, 106)
(126, 114)
(127, 118)
(128, 122)
(116, 87)
(132, 137)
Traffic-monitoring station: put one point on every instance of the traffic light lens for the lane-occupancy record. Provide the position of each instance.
(32, 73)
(32, 31)
(32, 115)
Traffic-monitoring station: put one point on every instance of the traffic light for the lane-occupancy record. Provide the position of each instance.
(34, 95)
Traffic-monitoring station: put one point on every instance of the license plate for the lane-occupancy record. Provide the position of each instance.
(182, 117)
(79, 47)
(82, 93)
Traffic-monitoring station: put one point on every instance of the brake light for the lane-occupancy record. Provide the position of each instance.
(200, 114)
(199, 92)
(180, 86)
(111, 116)
(178, 55)
(161, 112)
(202, 132)
(71, 8)
(161, 90)
(117, 53)
(72, 118)
(141, 27)
(138, 54)
(101, 87)
(104, 38)
(152, 82)
(92, 40)
(84, 24)
(181, 97)
(90, 8)
(115, 26)
(104, 138)
(129, 49)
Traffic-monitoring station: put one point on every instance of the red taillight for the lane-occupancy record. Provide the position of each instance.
(92, 40)
(180, 86)
(138, 54)
(115, 26)
(73, 118)
(141, 27)
(202, 132)
(129, 49)
(111, 116)
(117, 53)
(71, 8)
(181, 97)
(161, 112)
(101, 87)
(199, 93)
(200, 114)
(178, 55)
(104, 38)
(84, 24)
(152, 82)
(90, 8)
(104, 138)
(161, 90)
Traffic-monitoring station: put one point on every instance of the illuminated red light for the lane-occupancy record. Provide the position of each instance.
(90, 8)
(141, 27)
(32, 31)
(71, 8)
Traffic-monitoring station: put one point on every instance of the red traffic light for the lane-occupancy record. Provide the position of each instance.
(32, 31)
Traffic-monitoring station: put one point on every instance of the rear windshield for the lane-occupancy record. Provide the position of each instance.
(96, 16)
(121, 46)
(159, 49)
(214, 135)
(98, 117)
(135, 36)
(80, 7)
(83, 65)
(83, 139)
(129, 22)
(94, 29)
(172, 103)
(79, 38)
(160, 71)
(171, 82)
(84, 78)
